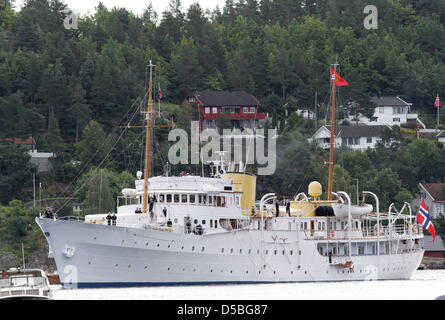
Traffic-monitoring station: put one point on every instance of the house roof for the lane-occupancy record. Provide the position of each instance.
(361, 131)
(357, 131)
(390, 101)
(28, 141)
(226, 98)
(434, 190)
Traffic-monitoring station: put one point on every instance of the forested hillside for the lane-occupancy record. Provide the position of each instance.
(71, 89)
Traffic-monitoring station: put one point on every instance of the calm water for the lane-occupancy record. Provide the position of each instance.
(425, 285)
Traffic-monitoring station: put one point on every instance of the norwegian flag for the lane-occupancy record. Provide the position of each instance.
(424, 219)
(159, 92)
(437, 103)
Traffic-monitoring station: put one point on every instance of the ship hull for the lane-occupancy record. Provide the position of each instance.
(89, 255)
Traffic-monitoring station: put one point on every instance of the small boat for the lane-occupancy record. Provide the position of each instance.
(25, 284)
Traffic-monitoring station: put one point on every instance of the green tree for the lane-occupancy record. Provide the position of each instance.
(98, 197)
(94, 146)
(15, 172)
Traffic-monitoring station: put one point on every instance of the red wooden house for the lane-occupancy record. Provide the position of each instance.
(238, 106)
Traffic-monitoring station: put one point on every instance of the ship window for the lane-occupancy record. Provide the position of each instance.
(192, 198)
(222, 250)
(237, 200)
(228, 188)
(275, 252)
(195, 221)
(216, 224)
(223, 202)
(210, 200)
(184, 198)
(240, 251)
(193, 248)
(203, 222)
(231, 250)
(199, 199)
(176, 197)
(161, 198)
(169, 198)
(211, 223)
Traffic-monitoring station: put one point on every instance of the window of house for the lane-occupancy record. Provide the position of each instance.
(252, 109)
(369, 140)
(215, 110)
(381, 109)
(396, 119)
(207, 110)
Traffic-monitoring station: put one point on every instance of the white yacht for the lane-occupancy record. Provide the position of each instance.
(200, 230)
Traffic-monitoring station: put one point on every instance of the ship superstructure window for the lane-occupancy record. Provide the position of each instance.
(210, 200)
(176, 197)
(161, 198)
(192, 198)
(169, 198)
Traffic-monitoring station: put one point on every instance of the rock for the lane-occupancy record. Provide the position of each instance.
(9, 260)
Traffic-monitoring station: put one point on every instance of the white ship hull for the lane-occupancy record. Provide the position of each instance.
(89, 255)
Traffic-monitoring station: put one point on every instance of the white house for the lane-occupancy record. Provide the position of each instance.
(357, 137)
(390, 111)
(434, 201)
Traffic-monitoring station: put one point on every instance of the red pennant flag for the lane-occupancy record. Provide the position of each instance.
(437, 103)
(339, 81)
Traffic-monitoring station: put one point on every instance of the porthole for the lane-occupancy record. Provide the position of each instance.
(157, 245)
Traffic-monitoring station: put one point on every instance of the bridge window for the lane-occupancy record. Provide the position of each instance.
(169, 198)
(176, 197)
(184, 198)
(192, 198)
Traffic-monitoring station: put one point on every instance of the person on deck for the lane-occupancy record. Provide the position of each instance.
(277, 208)
(109, 218)
(113, 218)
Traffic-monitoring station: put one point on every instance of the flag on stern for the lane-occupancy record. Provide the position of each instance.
(339, 81)
(437, 103)
(423, 217)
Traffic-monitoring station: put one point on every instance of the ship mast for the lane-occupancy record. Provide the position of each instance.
(147, 139)
(331, 153)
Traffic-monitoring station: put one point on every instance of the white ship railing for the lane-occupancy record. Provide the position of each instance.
(72, 218)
